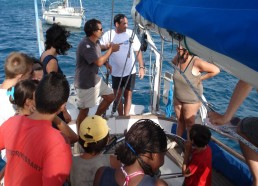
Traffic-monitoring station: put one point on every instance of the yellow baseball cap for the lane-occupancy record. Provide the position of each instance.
(93, 129)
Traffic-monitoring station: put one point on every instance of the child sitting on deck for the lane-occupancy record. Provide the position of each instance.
(197, 165)
(93, 137)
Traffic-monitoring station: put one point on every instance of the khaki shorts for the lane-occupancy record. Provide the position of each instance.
(88, 98)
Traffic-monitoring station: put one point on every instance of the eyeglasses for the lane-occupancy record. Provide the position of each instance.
(101, 29)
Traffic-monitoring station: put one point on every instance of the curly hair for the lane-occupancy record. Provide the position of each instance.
(145, 136)
(56, 37)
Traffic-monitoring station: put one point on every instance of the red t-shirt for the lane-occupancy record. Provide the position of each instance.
(37, 154)
(200, 165)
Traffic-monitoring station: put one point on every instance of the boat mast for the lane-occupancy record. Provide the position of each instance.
(81, 5)
(66, 4)
(43, 4)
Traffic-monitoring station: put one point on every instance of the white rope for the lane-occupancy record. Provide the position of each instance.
(226, 130)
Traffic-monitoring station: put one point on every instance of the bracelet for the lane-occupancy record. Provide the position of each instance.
(142, 67)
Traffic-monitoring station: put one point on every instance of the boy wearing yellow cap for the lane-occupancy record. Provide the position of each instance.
(93, 137)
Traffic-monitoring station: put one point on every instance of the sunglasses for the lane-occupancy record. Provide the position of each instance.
(101, 29)
(180, 49)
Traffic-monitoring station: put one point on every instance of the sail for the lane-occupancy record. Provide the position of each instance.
(227, 27)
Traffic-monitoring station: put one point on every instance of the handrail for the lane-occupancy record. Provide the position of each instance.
(228, 149)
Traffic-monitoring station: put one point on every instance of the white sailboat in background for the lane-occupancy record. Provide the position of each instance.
(63, 12)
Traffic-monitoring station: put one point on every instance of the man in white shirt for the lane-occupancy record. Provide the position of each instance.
(122, 62)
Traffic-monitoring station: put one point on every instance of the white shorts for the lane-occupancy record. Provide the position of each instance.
(88, 98)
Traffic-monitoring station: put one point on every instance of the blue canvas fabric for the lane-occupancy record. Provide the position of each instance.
(227, 27)
(235, 170)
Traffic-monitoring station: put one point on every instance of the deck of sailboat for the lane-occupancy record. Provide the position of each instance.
(217, 178)
(173, 159)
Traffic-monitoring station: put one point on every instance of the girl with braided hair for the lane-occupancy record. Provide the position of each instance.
(141, 155)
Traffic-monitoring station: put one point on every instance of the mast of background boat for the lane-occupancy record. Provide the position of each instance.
(81, 5)
(39, 29)
(43, 3)
(66, 3)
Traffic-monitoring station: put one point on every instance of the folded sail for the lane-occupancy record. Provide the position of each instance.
(227, 27)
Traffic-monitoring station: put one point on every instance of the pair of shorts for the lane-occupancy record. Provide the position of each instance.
(130, 85)
(249, 127)
(88, 98)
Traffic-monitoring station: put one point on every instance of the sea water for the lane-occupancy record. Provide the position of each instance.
(18, 33)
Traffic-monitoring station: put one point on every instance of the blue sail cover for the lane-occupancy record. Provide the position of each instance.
(229, 27)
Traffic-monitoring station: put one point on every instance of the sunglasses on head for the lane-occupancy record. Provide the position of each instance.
(180, 49)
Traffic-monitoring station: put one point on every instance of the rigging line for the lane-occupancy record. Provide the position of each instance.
(127, 80)
(102, 73)
(116, 103)
(110, 32)
(171, 176)
(111, 20)
(191, 86)
(225, 128)
(152, 68)
(151, 79)
(208, 107)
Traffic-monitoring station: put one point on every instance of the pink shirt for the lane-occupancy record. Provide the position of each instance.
(37, 154)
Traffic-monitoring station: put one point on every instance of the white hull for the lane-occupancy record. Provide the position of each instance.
(63, 13)
(68, 20)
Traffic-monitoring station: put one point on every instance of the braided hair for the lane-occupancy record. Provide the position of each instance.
(145, 136)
